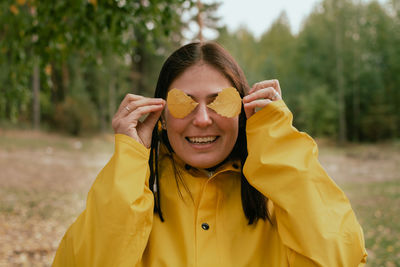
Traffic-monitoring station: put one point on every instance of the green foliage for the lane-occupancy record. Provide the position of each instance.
(242, 45)
(339, 74)
(318, 112)
(343, 64)
(107, 36)
(379, 122)
(75, 116)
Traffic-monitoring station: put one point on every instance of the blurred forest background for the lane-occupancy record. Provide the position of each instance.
(65, 66)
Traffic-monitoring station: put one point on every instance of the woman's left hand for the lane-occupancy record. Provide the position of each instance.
(260, 95)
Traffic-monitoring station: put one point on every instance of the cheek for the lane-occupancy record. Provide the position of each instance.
(231, 129)
(175, 126)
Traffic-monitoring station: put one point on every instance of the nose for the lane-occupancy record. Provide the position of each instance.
(202, 117)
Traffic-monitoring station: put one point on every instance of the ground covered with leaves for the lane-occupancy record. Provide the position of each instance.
(44, 179)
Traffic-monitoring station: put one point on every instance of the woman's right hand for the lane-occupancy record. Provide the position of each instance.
(126, 120)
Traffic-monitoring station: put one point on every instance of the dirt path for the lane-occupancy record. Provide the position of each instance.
(43, 186)
(361, 163)
(44, 180)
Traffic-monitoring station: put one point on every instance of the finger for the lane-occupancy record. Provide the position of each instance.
(267, 83)
(250, 108)
(274, 95)
(260, 103)
(128, 98)
(144, 110)
(260, 93)
(264, 93)
(152, 119)
(132, 120)
(134, 105)
(249, 112)
(278, 88)
(261, 85)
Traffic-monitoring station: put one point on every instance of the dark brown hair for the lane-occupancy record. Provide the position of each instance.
(253, 202)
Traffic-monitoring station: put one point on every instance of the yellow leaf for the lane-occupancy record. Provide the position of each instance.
(228, 103)
(21, 2)
(14, 9)
(48, 70)
(93, 2)
(159, 126)
(180, 104)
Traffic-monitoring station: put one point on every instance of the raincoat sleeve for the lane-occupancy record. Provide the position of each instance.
(114, 228)
(314, 218)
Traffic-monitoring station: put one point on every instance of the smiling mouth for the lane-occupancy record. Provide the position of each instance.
(202, 140)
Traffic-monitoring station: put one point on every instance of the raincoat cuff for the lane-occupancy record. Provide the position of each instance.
(268, 114)
(122, 140)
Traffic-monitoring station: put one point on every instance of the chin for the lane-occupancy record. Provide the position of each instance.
(203, 166)
(204, 162)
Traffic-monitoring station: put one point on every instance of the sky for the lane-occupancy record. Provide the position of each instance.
(258, 15)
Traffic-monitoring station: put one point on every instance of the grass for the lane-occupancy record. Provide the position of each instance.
(37, 140)
(377, 206)
(44, 180)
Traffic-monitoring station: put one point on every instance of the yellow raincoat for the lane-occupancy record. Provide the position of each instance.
(313, 223)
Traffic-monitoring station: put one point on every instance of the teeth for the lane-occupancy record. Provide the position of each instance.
(202, 140)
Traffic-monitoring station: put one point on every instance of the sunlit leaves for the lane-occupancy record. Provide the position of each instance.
(57, 30)
(306, 64)
(14, 9)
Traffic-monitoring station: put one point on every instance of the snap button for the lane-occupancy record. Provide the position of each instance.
(187, 167)
(205, 226)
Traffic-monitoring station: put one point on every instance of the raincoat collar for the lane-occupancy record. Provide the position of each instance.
(233, 165)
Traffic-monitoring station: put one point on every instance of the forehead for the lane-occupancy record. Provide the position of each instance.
(201, 79)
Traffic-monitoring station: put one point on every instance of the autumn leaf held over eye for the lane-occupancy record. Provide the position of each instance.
(228, 103)
(180, 104)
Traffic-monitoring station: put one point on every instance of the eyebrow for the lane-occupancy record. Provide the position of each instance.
(208, 96)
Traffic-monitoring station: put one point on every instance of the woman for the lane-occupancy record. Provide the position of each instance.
(191, 187)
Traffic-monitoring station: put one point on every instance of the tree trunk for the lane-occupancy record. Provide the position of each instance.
(138, 64)
(356, 107)
(111, 100)
(65, 79)
(36, 94)
(356, 76)
(339, 73)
